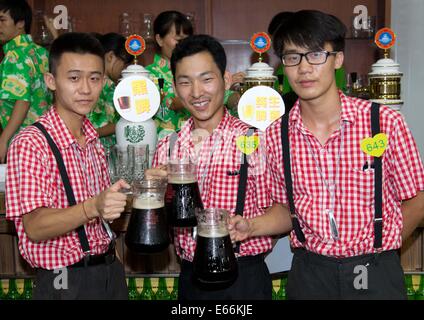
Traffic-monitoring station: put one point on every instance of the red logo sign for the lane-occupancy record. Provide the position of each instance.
(260, 42)
(135, 45)
(385, 38)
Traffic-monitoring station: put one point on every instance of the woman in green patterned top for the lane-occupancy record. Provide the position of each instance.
(169, 27)
(103, 116)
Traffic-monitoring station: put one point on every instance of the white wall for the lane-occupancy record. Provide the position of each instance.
(408, 24)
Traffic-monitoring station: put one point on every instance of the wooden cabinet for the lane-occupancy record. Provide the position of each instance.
(234, 20)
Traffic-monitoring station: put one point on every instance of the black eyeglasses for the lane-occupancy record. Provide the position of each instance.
(313, 57)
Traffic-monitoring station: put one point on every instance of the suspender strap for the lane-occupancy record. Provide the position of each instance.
(378, 184)
(65, 179)
(288, 178)
(241, 192)
(378, 213)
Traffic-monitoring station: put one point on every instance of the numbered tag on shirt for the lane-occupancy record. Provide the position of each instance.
(375, 146)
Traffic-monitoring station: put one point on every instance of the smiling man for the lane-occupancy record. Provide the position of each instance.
(23, 95)
(61, 217)
(345, 218)
(209, 139)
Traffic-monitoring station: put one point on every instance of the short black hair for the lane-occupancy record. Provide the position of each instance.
(166, 19)
(73, 42)
(19, 10)
(115, 42)
(277, 20)
(196, 44)
(310, 29)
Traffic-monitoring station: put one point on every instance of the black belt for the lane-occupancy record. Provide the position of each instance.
(94, 260)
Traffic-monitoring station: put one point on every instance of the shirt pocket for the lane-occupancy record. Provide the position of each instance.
(360, 188)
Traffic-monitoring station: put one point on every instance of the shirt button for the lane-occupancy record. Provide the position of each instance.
(323, 151)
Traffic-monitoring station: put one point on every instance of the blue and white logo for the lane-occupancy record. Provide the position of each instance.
(135, 45)
(261, 42)
(385, 38)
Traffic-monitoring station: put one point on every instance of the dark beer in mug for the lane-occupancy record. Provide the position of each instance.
(182, 200)
(214, 259)
(147, 230)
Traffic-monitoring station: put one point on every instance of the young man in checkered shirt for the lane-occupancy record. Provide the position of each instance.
(51, 231)
(209, 138)
(342, 249)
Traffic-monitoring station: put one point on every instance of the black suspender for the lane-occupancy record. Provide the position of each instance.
(241, 192)
(287, 176)
(378, 185)
(65, 179)
(378, 181)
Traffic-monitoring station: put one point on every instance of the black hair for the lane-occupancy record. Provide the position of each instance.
(310, 29)
(277, 20)
(166, 19)
(196, 44)
(73, 42)
(115, 42)
(19, 10)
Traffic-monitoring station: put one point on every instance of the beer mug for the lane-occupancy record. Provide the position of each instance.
(183, 195)
(214, 259)
(147, 230)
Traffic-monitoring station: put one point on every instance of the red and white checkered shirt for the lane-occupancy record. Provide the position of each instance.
(218, 156)
(33, 181)
(403, 177)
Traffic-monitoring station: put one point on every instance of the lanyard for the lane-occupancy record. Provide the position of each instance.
(205, 171)
(330, 188)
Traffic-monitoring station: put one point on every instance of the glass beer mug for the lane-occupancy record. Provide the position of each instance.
(183, 195)
(147, 230)
(214, 259)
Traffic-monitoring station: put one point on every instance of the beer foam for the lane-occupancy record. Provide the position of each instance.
(212, 232)
(148, 203)
(181, 180)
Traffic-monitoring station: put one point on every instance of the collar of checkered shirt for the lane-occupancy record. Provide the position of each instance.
(349, 110)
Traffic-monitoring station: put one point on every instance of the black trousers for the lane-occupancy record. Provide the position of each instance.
(99, 282)
(253, 282)
(373, 276)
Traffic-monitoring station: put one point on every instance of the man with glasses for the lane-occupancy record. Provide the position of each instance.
(350, 208)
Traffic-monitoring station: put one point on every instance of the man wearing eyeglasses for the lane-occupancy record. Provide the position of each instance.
(350, 207)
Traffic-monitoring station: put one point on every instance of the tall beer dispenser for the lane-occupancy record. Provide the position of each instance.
(385, 76)
(136, 99)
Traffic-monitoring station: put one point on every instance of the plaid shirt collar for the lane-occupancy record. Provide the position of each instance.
(63, 137)
(349, 112)
(185, 134)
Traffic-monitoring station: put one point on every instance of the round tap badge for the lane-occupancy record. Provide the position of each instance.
(136, 98)
(260, 42)
(135, 45)
(260, 106)
(385, 38)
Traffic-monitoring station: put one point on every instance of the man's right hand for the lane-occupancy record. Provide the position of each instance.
(239, 228)
(110, 203)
